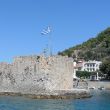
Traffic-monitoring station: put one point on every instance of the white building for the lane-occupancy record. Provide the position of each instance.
(74, 71)
(90, 66)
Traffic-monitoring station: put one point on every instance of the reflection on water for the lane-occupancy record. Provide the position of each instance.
(100, 101)
(19, 103)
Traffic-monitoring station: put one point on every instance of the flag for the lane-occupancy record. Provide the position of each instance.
(46, 31)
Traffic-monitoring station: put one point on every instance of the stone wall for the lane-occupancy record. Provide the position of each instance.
(36, 74)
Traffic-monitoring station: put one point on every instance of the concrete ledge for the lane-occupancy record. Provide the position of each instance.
(57, 95)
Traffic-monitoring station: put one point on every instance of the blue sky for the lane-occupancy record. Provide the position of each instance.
(72, 22)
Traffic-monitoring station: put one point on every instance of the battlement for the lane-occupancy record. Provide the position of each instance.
(36, 74)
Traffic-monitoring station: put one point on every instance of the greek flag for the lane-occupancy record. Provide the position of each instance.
(46, 31)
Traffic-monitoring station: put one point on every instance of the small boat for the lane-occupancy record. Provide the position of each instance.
(92, 88)
(101, 88)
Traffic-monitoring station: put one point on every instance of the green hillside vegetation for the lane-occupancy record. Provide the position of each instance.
(97, 48)
(105, 67)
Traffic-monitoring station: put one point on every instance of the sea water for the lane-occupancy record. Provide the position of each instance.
(99, 101)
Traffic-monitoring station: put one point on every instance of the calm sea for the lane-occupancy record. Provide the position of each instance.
(100, 101)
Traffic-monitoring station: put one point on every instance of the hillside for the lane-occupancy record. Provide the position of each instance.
(97, 48)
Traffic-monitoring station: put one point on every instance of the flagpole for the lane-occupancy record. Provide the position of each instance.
(50, 43)
(48, 32)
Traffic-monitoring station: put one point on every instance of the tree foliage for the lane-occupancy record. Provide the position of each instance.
(83, 74)
(94, 49)
(105, 67)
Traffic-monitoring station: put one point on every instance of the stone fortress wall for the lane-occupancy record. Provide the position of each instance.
(36, 74)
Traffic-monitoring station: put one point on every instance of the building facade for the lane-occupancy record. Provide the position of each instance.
(90, 66)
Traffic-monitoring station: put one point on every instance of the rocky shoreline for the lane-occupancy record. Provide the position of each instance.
(76, 94)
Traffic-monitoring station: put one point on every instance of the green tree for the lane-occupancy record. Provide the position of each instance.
(83, 74)
(105, 67)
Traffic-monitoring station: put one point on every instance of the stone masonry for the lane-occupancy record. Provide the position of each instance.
(36, 74)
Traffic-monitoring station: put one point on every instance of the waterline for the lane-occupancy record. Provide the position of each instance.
(100, 101)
